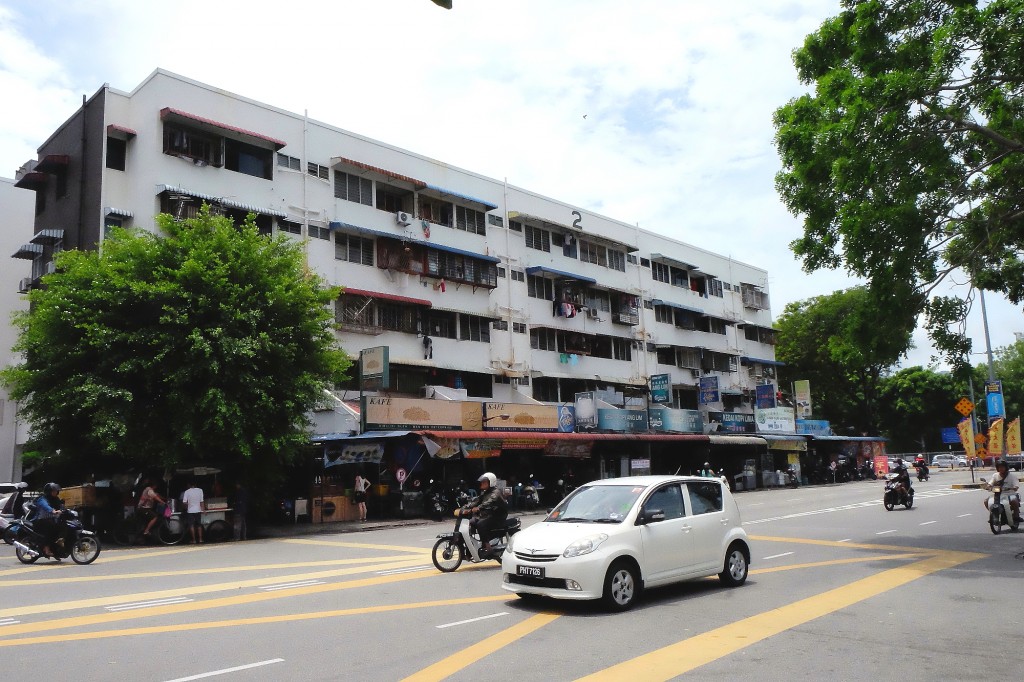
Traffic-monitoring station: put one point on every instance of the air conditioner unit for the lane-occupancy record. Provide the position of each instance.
(50, 268)
(754, 372)
(403, 218)
(593, 313)
(695, 373)
(769, 372)
(24, 285)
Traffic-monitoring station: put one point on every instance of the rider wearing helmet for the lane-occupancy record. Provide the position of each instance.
(46, 511)
(1004, 476)
(902, 475)
(490, 510)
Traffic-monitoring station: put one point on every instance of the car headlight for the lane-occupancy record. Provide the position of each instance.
(511, 541)
(584, 545)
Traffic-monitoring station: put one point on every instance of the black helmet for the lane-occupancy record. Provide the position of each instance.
(1002, 463)
(51, 490)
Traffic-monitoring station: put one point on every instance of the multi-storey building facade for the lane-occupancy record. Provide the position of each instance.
(470, 282)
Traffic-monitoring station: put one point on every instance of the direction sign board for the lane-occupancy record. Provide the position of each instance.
(964, 406)
(994, 399)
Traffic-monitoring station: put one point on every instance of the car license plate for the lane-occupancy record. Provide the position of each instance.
(530, 571)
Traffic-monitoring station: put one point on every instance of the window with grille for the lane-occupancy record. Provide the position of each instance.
(318, 171)
(715, 287)
(538, 287)
(622, 349)
(441, 323)
(518, 276)
(289, 226)
(537, 238)
(289, 162)
(353, 249)
(353, 188)
(617, 260)
(319, 232)
(689, 357)
(474, 328)
(519, 327)
(543, 339)
(515, 226)
(469, 220)
(660, 272)
(663, 313)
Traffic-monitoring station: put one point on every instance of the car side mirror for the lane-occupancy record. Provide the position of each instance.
(652, 516)
(982, 479)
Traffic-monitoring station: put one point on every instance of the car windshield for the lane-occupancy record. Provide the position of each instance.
(597, 504)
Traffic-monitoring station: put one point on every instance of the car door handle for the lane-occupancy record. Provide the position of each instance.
(725, 522)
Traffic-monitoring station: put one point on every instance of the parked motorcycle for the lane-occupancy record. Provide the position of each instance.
(437, 502)
(451, 549)
(792, 480)
(73, 540)
(1000, 512)
(895, 494)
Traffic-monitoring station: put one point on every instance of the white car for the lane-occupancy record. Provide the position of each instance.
(611, 539)
(939, 461)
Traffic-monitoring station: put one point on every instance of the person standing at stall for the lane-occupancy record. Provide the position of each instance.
(359, 489)
(194, 504)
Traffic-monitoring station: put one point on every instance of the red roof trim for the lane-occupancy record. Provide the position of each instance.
(169, 111)
(114, 128)
(554, 435)
(389, 297)
(418, 184)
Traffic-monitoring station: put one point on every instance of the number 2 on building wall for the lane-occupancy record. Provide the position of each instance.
(579, 219)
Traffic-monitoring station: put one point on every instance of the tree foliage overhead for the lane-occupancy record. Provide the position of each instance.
(916, 403)
(842, 343)
(208, 343)
(907, 160)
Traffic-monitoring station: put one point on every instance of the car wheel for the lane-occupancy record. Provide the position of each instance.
(734, 572)
(621, 585)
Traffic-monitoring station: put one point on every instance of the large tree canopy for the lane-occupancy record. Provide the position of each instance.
(842, 343)
(907, 160)
(208, 343)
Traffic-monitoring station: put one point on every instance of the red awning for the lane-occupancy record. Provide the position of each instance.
(51, 163)
(168, 112)
(418, 184)
(551, 435)
(389, 297)
(32, 180)
(120, 131)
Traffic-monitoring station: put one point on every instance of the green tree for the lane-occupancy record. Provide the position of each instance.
(207, 343)
(916, 403)
(907, 160)
(842, 343)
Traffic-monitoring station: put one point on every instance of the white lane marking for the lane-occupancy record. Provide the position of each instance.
(224, 671)
(794, 499)
(775, 556)
(755, 504)
(8, 621)
(855, 505)
(145, 604)
(844, 540)
(297, 583)
(926, 523)
(885, 532)
(471, 620)
(963, 515)
(411, 569)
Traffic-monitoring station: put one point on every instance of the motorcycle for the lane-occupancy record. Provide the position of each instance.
(791, 479)
(922, 473)
(72, 540)
(451, 549)
(437, 502)
(1000, 512)
(895, 494)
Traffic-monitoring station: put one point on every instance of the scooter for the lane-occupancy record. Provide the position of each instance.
(791, 479)
(451, 549)
(1000, 512)
(922, 473)
(73, 540)
(895, 494)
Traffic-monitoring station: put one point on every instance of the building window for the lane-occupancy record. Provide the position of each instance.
(518, 276)
(469, 220)
(353, 188)
(515, 226)
(289, 226)
(117, 153)
(519, 327)
(289, 162)
(248, 159)
(753, 297)
(617, 260)
(537, 238)
(500, 325)
(716, 326)
(441, 324)
(593, 253)
(353, 249)
(543, 339)
(538, 287)
(202, 148)
(622, 349)
(666, 356)
(660, 273)
(318, 171)
(715, 287)
(663, 313)
(495, 220)
(501, 273)
(319, 232)
(392, 199)
(110, 222)
(474, 328)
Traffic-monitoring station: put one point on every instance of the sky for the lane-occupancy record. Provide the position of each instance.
(652, 112)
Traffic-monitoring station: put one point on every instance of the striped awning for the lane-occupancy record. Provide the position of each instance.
(222, 201)
(124, 213)
(47, 236)
(680, 306)
(28, 251)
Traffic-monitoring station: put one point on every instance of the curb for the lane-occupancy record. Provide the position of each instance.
(966, 486)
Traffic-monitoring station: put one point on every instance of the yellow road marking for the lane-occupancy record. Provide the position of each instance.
(854, 545)
(676, 659)
(127, 555)
(463, 659)
(832, 562)
(261, 620)
(359, 545)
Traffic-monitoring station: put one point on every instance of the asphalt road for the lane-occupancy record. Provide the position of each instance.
(839, 588)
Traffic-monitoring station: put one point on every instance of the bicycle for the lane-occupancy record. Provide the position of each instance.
(166, 531)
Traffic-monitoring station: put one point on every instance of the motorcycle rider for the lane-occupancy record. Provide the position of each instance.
(902, 477)
(489, 511)
(922, 468)
(1005, 477)
(45, 516)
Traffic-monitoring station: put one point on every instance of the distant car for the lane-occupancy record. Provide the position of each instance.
(961, 461)
(612, 538)
(939, 461)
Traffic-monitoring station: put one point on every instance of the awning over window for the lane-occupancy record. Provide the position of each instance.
(51, 163)
(47, 236)
(746, 360)
(32, 180)
(349, 291)
(661, 258)
(383, 172)
(443, 193)
(28, 251)
(170, 114)
(576, 232)
(534, 269)
(120, 132)
(124, 213)
(222, 201)
(680, 306)
(338, 225)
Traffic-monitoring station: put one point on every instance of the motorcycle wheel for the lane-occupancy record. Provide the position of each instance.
(909, 502)
(171, 531)
(85, 550)
(995, 521)
(888, 503)
(24, 557)
(447, 555)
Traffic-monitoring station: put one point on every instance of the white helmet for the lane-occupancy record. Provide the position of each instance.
(491, 479)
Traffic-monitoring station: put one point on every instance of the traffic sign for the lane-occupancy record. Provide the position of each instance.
(964, 407)
(400, 475)
(980, 438)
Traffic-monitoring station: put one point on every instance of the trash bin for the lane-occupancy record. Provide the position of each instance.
(737, 482)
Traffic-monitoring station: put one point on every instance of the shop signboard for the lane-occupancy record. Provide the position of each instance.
(339, 452)
(802, 394)
(765, 396)
(814, 427)
(374, 368)
(775, 420)
(586, 411)
(621, 420)
(709, 390)
(382, 413)
(566, 418)
(519, 417)
(661, 388)
(481, 449)
(680, 421)
(733, 422)
(569, 448)
(523, 443)
(994, 400)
